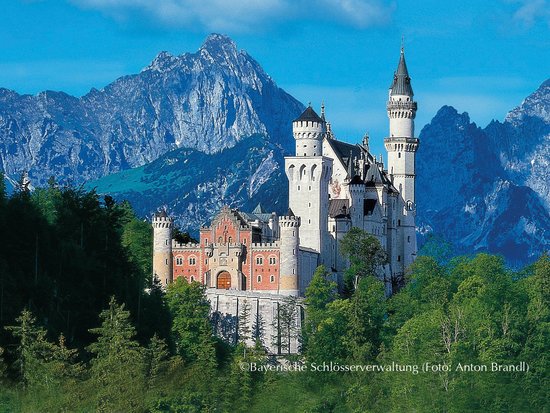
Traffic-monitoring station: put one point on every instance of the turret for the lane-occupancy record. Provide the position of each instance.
(162, 247)
(309, 131)
(289, 227)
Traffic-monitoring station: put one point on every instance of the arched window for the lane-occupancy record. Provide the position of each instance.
(259, 260)
(272, 260)
(179, 260)
(271, 278)
(259, 278)
(192, 260)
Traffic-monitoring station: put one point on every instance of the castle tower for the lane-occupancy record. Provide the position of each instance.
(357, 194)
(162, 247)
(289, 227)
(308, 175)
(401, 146)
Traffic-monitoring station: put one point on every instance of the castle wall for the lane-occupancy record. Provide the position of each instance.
(227, 308)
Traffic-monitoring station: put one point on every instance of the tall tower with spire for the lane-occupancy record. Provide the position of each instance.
(401, 146)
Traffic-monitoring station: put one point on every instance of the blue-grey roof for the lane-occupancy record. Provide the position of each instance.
(309, 114)
(401, 84)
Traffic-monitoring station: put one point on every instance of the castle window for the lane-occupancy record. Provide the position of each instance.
(166, 261)
(399, 258)
(205, 262)
(179, 261)
(259, 278)
(310, 187)
(166, 242)
(272, 260)
(298, 187)
(192, 261)
(230, 240)
(244, 241)
(409, 239)
(206, 241)
(398, 222)
(259, 260)
(399, 154)
(192, 278)
(272, 278)
(220, 240)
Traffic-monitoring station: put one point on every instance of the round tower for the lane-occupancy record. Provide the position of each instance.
(309, 131)
(289, 227)
(162, 247)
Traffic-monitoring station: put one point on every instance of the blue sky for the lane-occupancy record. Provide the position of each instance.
(482, 57)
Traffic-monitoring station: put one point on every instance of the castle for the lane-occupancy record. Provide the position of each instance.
(333, 186)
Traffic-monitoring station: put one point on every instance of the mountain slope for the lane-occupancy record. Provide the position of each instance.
(194, 185)
(208, 100)
(488, 189)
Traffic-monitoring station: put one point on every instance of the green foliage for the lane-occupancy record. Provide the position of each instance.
(365, 253)
(190, 319)
(117, 369)
(65, 252)
(367, 311)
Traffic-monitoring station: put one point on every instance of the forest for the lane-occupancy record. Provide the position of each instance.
(84, 328)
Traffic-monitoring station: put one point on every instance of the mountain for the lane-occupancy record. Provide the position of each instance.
(194, 185)
(498, 197)
(209, 101)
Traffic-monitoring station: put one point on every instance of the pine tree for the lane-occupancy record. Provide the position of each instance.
(34, 352)
(156, 360)
(244, 323)
(117, 369)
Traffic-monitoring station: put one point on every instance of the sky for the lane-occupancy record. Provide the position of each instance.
(482, 57)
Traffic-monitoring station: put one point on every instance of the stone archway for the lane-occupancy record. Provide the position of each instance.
(223, 280)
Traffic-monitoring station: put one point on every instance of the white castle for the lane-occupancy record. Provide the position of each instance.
(260, 257)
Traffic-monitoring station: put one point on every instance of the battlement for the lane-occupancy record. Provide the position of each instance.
(265, 245)
(162, 222)
(289, 221)
(187, 246)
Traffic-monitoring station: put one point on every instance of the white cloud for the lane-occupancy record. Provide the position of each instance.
(530, 11)
(244, 15)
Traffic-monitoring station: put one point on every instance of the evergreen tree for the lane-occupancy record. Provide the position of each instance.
(117, 369)
(244, 331)
(34, 352)
(156, 361)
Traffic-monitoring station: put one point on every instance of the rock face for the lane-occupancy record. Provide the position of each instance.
(209, 101)
(194, 186)
(488, 189)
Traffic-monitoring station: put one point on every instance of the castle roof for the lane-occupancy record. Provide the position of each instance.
(309, 115)
(338, 208)
(161, 214)
(356, 180)
(401, 84)
(345, 151)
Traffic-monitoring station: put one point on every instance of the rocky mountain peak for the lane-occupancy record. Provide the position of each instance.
(536, 105)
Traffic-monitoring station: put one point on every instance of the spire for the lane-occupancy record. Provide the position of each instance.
(323, 110)
(350, 165)
(401, 84)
